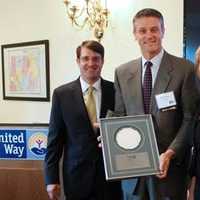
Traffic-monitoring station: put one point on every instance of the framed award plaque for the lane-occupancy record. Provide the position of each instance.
(129, 147)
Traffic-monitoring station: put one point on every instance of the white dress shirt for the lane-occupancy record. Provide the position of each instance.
(97, 93)
(155, 67)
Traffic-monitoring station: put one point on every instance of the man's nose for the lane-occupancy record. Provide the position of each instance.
(91, 62)
(149, 34)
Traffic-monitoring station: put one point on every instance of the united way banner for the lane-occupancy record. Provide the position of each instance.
(27, 142)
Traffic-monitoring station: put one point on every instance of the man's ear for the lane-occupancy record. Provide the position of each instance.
(78, 61)
(135, 38)
(163, 31)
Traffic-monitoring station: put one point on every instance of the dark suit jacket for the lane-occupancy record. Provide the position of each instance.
(195, 166)
(71, 133)
(171, 126)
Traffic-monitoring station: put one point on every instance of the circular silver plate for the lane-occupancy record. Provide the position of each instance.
(128, 138)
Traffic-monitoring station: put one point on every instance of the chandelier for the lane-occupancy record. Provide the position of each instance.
(92, 13)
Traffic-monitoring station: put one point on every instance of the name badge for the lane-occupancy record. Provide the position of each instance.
(166, 100)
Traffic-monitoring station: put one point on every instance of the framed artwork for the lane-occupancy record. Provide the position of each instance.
(25, 71)
(129, 147)
(191, 28)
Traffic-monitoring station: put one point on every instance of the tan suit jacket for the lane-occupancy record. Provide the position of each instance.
(172, 127)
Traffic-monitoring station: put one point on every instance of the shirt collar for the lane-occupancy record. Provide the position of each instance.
(156, 60)
(85, 85)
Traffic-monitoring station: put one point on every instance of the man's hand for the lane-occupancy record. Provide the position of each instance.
(197, 62)
(97, 126)
(165, 159)
(53, 191)
(191, 189)
(99, 141)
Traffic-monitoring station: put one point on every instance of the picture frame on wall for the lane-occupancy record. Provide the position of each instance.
(25, 71)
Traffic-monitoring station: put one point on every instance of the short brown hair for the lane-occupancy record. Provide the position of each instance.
(92, 45)
(149, 12)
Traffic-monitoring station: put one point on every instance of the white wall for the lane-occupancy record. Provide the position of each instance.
(29, 20)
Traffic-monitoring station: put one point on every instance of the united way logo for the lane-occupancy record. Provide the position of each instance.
(38, 144)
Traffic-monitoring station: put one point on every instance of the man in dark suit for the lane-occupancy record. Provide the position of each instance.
(197, 68)
(170, 99)
(194, 189)
(72, 133)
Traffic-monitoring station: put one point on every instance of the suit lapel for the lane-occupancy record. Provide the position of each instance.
(79, 101)
(134, 83)
(162, 79)
(104, 95)
(78, 98)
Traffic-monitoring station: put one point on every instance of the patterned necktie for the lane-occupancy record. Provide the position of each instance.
(90, 104)
(147, 87)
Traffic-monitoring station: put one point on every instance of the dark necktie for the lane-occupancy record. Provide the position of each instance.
(147, 87)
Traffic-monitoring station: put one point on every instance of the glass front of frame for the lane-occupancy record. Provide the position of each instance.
(129, 147)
